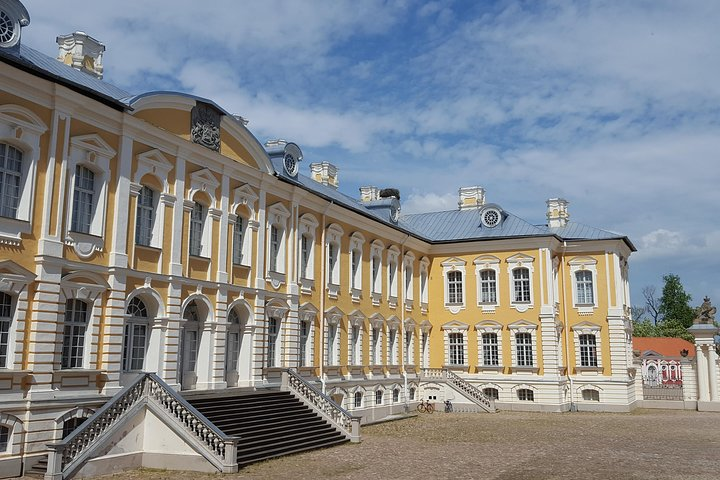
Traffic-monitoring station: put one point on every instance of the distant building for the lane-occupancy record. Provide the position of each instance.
(661, 359)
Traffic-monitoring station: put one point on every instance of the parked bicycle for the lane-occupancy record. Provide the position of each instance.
(448, 406)
(425, 407)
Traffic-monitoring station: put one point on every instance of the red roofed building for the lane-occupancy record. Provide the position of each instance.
(661, 357)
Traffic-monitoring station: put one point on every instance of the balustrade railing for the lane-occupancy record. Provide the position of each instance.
(69, 454)
(349, 424)
(459, 383)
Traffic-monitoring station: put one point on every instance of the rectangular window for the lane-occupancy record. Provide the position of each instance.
(273, 333)
(304, 334)
(408, 343)
(584, 286)
(375, 347)
(74, 333)
(191, 337)
(354, 268)
(305, 257)
(145, 216)
(392, 273)
(488, 287)
(457, 349)
(588, 351)
(6, 315)
(523, 344)
(83, 200)
(274, 248)
(455, 288)
(4, 438)
(332, 264)
(10, 180)
(490, 350)
(233, 351)
(423, 286)
(392, 347)
(134, 346)
(197, 223)
(408, 283)
(332, 333)
(521, 284)
(238, 233)
(376, 274)
(354, 341)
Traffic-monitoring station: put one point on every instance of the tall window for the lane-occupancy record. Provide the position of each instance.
(588, 351)
(490, 349)
(409, 282)
(83, 199)
(378, 397)
(521, 285)
(4, 438)
(523, 344)
(191, 336)
(274, 247)
(331, 354)
(145, 216)
(376, 274)
(423, 286)
(455, 287)
(238, 234)
(135, 336)
(355, 280)
(354, 345)
(333, 264)
(457, 349)
(305, 247)
(197, 224)
(273, 334)
(584, 286)
(10, 180)
(232, 349)
(6, 315)
(392, 346)
(76, 317)
(488, 286)
(392, 278)
(375, 347)
(304, 335)
(358, 399)
(408, 344)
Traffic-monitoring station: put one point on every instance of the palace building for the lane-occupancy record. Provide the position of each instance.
(153, 232)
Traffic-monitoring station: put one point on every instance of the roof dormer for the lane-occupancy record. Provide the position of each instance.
(13, 16)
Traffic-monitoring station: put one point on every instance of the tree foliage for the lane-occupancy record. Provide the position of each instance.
(667, 316)
(675, 303)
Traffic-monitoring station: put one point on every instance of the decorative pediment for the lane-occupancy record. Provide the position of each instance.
(409, 325)
(424, 262)
(244, 196)
(308, 222)
(357, 318)
(585, 328)
(93, 143)
(488, 326)
(203, 181)
(357, 240)
(393, 322)
(307, 312)
(82, 285)
(22, 118)
(378, 245)
(276, 308)
(153, 162)
(426, 326)
(377, 320)
(520, 259)
(522, 326)
(452, 263)
(582, 262)
(13, 277)
(455, 326)
(334, 233)
(334, 316)
(484, 261)
(393, 251)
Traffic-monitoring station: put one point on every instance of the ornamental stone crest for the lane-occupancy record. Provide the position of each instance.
(205, 126)
(706, 313)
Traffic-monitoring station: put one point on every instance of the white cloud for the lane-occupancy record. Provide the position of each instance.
(418, 202)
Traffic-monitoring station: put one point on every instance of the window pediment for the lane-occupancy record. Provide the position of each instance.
(377, 320)
(582, 261)
(13, 277)
(244, 196)
(519, 259)
(455, 326)
(488, 326)
(334, 316)
(93, 143)
(522, 326)
(452, 263)
(357, 318)
(393, 322)
(203, 180)
(485, 261)
(586, 328)
(153, 162)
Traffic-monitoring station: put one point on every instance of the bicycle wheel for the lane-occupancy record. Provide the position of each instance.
(421, 408)
(430, 408)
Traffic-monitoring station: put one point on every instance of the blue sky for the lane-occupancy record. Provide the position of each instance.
(611, 105)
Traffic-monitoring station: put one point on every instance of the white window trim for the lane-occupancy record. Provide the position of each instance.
(245, 198)
(377, 324)
(520, 261)
(409, 280)
(425, 328)
(93, 153)
(455, 327)
(357, 241)
(393, 344)
(489, 326)
(454, 265)
(279, 312)
(15, 428)
(353, 392)
(92, 295)
(523, 326)
(515, 389)
(156, 164)
(424, 287)
(376, 254)
(356, 319)
(333, 319)
(307, 228)
(278, 216)
(578, 264)
(14, 281)
(333, 236)
(409, 336)
(22, 129)
(487, 262)
(308, 313)
(393, 256)
(587, 328)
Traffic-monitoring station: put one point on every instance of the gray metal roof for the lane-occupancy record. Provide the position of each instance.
(465, 225)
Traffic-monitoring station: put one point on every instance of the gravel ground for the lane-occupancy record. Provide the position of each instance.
(645, 444)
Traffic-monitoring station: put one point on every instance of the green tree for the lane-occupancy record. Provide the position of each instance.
(675, 304)
(645, 328)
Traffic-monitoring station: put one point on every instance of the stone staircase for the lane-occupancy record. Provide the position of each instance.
(269, 423)
(38, 469)
(468, 390)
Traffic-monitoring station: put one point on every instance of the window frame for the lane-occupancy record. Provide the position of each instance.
(589, 329)
(129, 338)
(584, 264)
(451, 330)
(376, 271)
(488, 327)
(454, 265)
(8, 312)
(333, 247)
(146, 216)
(524, 327)
(393, 258)
(75, 330)
(516, 262)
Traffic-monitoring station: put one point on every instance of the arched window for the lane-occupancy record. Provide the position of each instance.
(412, 393)
(71, 424)
(135, 336)
(4, 438)
(358, 399)
(83, 199)
(232, 346)
(526, 395)
(378, 397)
(491, 393)
(189, 341)
(6, 316)
(396, 395)
(11, 179)
(145, 216)
(76, 320)
(521, 285)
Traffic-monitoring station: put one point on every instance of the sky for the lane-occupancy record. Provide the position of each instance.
(612, 105)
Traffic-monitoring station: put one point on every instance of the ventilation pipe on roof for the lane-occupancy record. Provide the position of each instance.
(325, 173)
(369, 193)
(82, 52)
(557, 212)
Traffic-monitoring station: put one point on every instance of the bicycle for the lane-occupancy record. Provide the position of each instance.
(448, 406)
(425, 407)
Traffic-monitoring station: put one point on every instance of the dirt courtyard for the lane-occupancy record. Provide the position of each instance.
(645, 444)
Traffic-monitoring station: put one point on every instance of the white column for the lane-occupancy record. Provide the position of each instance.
(713, 373)
(703, 389)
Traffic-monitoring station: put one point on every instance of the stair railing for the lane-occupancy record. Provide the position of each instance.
(148, 390)
(343, 420)
(470, 390)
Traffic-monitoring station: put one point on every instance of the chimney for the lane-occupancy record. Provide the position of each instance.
(325, 173)
(471, 197)
(557, 212)
(82, 52)
(370, 193)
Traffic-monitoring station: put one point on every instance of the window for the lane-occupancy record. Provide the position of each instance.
(6, 315)
(408, 277)
(274, 247)
(76, 317)
(588, 350)
(71, 424)
(521, 285)
(455, 288)
(145, 216)
(396, 394)
(10, 180)
(333, 267)
(524, 349)
(423, 285)
(457, 348)
(376, 284)
(83, 199)
(392, 346)
(584, 287)
(191, 334)
(409, 360)
(238, 240)
(197, 225)
(412, 393)
(358, 399)
(591, 395)
(232, 347)
(491, 393)
(135, 336)
(4, 438)
(378, 397)
(354, 345)
(304, 337)
(355, 280)
(526, 395)
(273, 335)
(392, 272)
(305, 249)
(331, 338)
(490, 349)
(375, 346)
(488, 287)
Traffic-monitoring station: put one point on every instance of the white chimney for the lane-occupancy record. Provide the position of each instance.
(325, 173)
(557, 212)
(369, 193)
(471, 197)
(82, 52)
